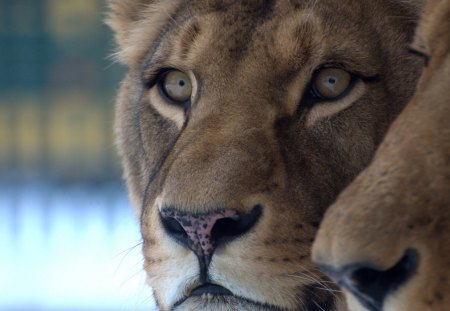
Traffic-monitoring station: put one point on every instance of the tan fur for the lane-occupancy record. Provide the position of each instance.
(248, 137)
(402, 200)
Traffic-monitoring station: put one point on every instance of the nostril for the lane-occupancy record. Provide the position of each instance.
(371, 285)
(226, 229)
(173, 227)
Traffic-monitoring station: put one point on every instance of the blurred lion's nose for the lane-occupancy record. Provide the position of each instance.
(202, 233)
(371, 285)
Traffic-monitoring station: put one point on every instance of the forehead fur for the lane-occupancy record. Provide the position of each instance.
(138, 23)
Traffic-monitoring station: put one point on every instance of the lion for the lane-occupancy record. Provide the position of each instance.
(238, 124)
(386, 240)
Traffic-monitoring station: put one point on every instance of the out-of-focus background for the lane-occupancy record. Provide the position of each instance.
(68, 237)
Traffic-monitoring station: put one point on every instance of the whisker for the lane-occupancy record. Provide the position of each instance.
(128, 250)
(133, 275)
(317, 305)
(124, 254)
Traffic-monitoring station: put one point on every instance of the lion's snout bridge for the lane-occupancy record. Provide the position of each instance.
(203, 233)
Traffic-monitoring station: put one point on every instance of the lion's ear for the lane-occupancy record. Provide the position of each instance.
(122, 13)
(136, 24)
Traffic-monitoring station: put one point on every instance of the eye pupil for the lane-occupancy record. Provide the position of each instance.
(331, 83)
(181, 83)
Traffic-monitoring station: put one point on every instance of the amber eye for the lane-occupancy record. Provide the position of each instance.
(331, 83)
(176, 86)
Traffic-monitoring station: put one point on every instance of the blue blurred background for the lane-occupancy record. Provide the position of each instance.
(68, 237)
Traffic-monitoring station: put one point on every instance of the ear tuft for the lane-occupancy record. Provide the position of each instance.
(122, 13)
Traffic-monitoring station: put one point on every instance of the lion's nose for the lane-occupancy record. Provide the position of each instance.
(202, 233)
(371, 285)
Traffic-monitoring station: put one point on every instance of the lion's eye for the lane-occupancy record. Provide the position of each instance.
(331, 83)
(176, 86)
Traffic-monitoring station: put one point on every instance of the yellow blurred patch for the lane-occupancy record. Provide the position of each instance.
(27, 136)
(70, 133)
(78, 132)
(5, 134)
(69, 18)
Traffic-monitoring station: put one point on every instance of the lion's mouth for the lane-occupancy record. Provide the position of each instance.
(211, 289)
(212, 296)
(206, 290)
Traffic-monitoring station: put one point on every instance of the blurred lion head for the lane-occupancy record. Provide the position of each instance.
(386, 240)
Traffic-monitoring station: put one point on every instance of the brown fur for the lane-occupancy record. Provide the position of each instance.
(248, 137)
(403, 199)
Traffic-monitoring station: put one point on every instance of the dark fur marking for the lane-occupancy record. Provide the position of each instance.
(155, 172)
(267, 9)
(149, 241)
(315, 300)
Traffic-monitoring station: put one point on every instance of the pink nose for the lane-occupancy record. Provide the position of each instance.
(202, 233)
(198, 228)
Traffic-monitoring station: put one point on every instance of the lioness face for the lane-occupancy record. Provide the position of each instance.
(239, 122)
(386, 240)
